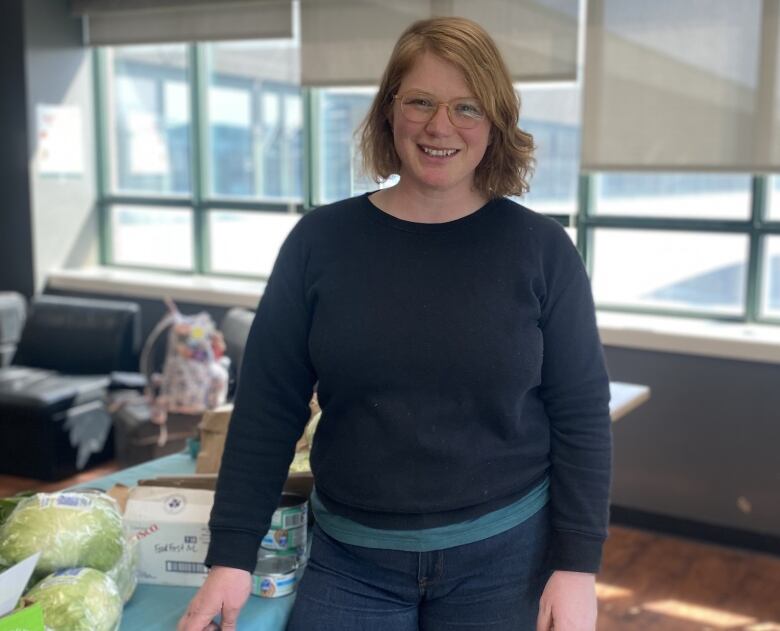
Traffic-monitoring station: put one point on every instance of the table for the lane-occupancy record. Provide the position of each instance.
(160, 606)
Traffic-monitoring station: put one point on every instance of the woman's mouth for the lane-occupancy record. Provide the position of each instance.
(438, 153)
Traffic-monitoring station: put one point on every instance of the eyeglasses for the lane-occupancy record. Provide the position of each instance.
(419, 107)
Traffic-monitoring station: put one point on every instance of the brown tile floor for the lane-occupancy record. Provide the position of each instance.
(10, 484)
(649, 582)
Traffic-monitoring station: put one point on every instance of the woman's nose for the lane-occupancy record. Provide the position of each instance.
(440, 121)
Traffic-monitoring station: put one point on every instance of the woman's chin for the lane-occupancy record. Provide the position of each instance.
(437, 182)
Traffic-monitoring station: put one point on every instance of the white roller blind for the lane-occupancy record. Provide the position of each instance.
(348, 42)
(682, 85)
(111, 22)
(538, 39)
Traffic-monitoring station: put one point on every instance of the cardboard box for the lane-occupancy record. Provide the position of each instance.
(170, 515)
(12, 584)
(173, 534)
(213, 431)
(298, 483)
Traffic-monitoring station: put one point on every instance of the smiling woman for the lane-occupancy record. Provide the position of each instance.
(438, 160)
(433, 62)
(462, 457)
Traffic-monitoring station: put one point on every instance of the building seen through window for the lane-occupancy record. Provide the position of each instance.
(255, 119)
(251, 129)
(149, 119)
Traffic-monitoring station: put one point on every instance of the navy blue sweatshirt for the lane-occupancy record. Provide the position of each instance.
(459, 364)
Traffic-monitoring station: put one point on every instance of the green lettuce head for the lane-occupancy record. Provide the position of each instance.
(69, 529)
(124, 572)
(80, 599)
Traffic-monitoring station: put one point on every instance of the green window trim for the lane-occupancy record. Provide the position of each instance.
(200, 202)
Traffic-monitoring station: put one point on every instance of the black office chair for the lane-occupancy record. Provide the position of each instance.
(53, 419)
(13, 310)
(235, 327)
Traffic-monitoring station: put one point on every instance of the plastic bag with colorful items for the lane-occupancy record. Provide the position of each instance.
(194, 377)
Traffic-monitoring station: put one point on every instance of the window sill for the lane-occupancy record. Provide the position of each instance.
(688, 336)
(753, 342)
(207, 290)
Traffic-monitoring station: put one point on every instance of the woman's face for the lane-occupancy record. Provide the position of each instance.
(416, 143)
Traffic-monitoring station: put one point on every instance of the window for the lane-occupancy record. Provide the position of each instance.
(770, 300)
(203, 154)
(152, 237)
(149, 119)
(211, 152)
(255, 120)
(773, 196)
(340, 173)
(673, 270)
(552, 115)
(671, 242)
(674, 195)
(244, 243)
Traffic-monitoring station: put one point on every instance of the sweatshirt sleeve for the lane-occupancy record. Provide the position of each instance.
(269, 414)
(575, 391)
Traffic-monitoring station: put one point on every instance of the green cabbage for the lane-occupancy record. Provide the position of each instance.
(80, 599)
(69, 529)
(7, 506)
(124, 573)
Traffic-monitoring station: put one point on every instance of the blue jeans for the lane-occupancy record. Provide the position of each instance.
(491, 584)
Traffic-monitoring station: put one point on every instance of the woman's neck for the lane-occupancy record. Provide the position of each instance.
(427, 207)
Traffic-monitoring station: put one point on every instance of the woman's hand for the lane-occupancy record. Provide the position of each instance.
(225, 591)
(568, 603)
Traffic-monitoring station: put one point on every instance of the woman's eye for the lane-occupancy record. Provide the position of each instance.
(469, 109)
(419, 102)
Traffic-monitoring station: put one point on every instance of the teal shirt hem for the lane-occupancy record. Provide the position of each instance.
(440, 538)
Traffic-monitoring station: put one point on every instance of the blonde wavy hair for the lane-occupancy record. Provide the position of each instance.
(508, 162)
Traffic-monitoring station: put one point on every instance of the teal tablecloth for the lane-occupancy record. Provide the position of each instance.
(159, 606)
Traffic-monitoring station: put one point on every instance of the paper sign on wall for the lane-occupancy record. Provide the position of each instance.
(60, 143)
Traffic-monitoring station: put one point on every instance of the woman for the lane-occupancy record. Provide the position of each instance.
(463, 455)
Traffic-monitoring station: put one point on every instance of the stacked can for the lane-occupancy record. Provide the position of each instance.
(283, 549)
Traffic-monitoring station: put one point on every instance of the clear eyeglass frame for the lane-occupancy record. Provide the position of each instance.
(424, 113)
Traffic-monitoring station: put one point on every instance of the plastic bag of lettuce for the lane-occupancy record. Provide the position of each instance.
(80, 599)
(89, 562)
(125, 572)
(70, 529)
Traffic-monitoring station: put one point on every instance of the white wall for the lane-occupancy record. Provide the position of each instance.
(59, 73)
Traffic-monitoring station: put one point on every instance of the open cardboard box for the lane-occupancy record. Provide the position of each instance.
(298, 483)
(171, 526)
(169, 515)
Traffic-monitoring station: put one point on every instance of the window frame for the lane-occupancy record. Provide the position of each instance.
(200, 202)
(756, 228)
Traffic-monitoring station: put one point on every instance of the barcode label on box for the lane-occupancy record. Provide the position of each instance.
(185, 567)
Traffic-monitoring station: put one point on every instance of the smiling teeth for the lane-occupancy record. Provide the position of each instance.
(439, 153)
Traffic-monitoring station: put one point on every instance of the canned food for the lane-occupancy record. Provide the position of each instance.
(288, 525)
(274, 585)
(274, 575)
(269, 562)
(291, 513)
